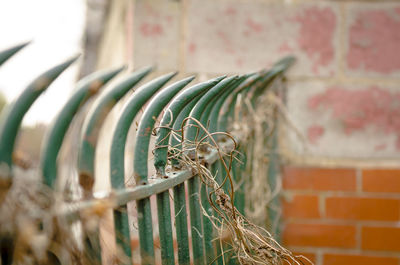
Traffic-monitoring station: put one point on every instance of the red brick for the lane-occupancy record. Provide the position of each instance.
(301, 206)
(308, 255)
(320, 179)
(381, 238)
(381, 180)
(339, 259)
(373, 39)
(319, 235)
(363, 208)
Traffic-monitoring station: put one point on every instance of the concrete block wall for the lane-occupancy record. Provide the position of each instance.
(343, 94)
(341, 179)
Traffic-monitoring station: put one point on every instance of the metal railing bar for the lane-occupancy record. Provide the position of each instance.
(140, 168)
(117, 152)
(119, 197)
(160, 161)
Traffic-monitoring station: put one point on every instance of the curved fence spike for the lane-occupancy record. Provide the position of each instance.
(146, 126)
(128, 114)
(86, 88)
(193, 183)
(211, 114)
(201, 105)
(160, 158)
(140, 169)
(185, 112)
(93, 122)
(229, 110)
(277, 70)
(6, 54)
(169, 118)
(117, 152)
(13, 114)
(210, 110)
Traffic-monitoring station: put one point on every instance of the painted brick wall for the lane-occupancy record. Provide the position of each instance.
(343, 96)
(342, 216)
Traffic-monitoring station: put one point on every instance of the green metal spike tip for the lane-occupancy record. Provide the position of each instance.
(86, 88)
(95, 118)
(128, 114)
(146, 126)
(170, 116)
(283, 64)
(202, 104)
(8, 53)
(12, 117)
(117, 154)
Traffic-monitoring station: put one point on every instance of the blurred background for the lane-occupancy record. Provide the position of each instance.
(340, 142)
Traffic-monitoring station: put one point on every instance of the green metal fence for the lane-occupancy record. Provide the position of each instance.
(213, 103)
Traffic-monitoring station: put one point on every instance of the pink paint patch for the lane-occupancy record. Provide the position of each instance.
(230, 11)
(314, 133)
(359, 109)
(380, 147)
(192, 47)
(239, 62)
(151, 30)
(398, 143)
(375, 41)
(169, 19)
(317, 27)
(254, 26)
(226, 41)
(285, 48)
(210, 20)
(150, 11)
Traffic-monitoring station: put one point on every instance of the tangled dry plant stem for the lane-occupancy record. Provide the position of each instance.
(251, 244)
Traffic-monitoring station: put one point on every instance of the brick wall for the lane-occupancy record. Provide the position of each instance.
(342, 216)
(343, 96)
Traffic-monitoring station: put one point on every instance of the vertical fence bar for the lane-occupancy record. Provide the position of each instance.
(117, 154)
(165, 228)
(160, 161)
(213, 121)
(181, 224)
(202, 236)
(92, 125)
(180, 194)
(145, 128)
(211, 117)
(87, 87)
(11, 118)
(88, 142)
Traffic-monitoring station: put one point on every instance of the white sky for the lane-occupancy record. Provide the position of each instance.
(55, 28)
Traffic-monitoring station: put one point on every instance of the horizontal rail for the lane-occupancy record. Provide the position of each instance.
(116, 198)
